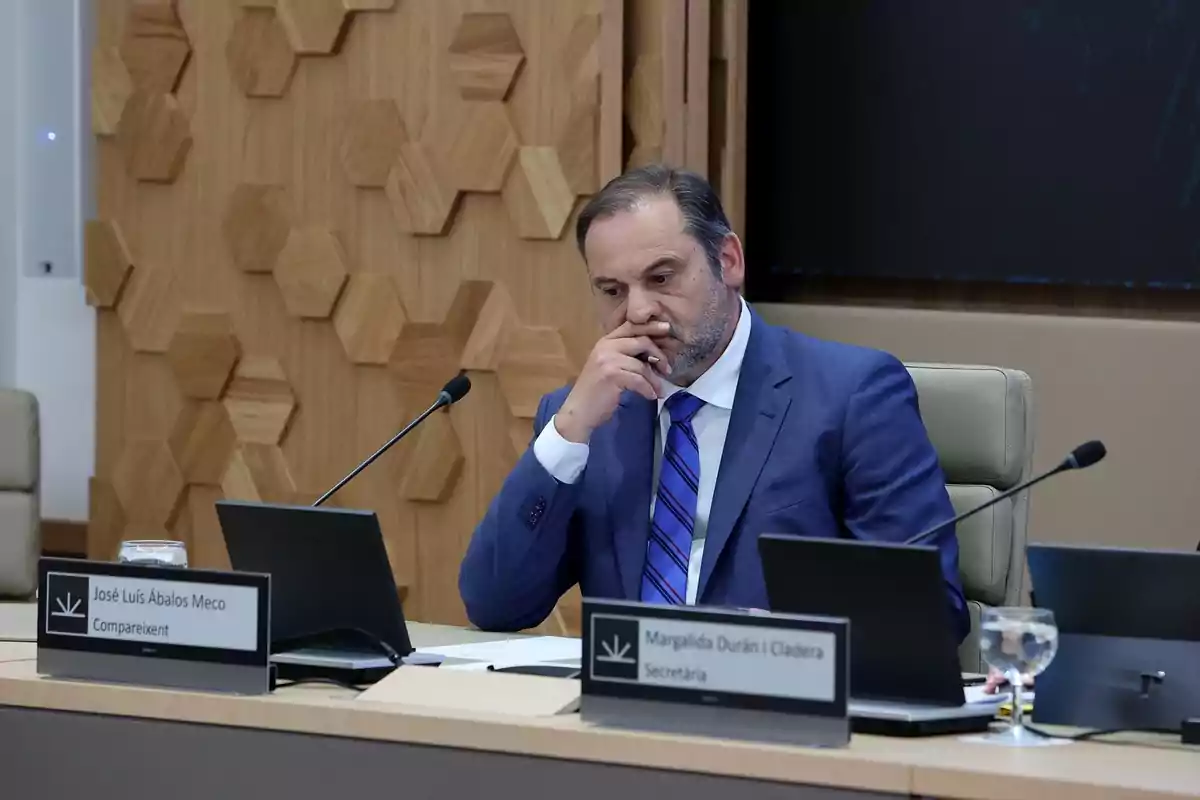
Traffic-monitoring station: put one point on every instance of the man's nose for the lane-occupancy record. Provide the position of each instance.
(640, 307)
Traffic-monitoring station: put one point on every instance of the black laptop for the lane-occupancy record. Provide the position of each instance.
(332, 587)
(903, 652)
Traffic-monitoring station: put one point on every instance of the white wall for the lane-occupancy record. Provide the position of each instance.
(8, 196)
(55, 328)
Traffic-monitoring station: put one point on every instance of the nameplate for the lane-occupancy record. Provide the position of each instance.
(154, 625)
(727, 666)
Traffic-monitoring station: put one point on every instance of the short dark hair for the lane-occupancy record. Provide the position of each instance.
(703, 216)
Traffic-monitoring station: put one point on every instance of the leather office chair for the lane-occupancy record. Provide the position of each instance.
(980, 420)
(20, 498)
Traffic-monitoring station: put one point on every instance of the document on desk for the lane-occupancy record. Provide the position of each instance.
(521, 651)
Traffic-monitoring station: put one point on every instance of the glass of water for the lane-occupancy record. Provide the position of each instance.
(1018, 642)
(153, 552)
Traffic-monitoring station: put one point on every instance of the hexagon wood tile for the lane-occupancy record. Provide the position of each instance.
(202, 441)
(312, 26)
(259, 400)
(485, 56)
(261, 60)
(478, 322)
(437, 461)
(371, 139)
(422, 195)
(155, 47)
(368, 318)
(537, 196)
(535, 362)
(106, 520)
(310, 272)
(477, 146)
(202, 354)
(148, 309)
(256, 225)
(258, 473)
(154, 136)
(148, 482)
(111, 88)
(106, 262)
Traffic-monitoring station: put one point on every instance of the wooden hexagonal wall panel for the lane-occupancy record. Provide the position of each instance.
(369, 5)
(203, 353)
(313, 26)
(149, 309)
(368, 318)
(437, 461)
(258, 473)
(256, 226)
(538, 198)
(261, 60)
(485, 56)
(422, 354)
(154, 137)
(371, 141)
(155, 47)
(422, 197)
(310, 272)
(106, 521)
(480, 148)
(106, 262)
(535, 362)
(202, 442)
(479, 319)
(148, 482)
(259, 400)
(111, 88)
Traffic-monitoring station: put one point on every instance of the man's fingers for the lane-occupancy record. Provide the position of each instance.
(637, 377)
(629, 330)
(645, 350)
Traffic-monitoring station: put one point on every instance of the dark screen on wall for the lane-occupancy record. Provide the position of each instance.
(1001, 140)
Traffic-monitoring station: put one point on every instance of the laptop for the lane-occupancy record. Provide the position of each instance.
(334, 604)
(1129, 636)
(905, 677)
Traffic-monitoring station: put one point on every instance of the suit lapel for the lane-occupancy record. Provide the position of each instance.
(758, 410)
(631, 466)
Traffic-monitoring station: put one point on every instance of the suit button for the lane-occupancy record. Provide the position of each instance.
(535, 513)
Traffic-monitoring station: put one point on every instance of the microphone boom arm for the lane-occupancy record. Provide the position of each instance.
(443, 400)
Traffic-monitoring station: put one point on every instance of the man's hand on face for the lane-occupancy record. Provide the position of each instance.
(614, 366)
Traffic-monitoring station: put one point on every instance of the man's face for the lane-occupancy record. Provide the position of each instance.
(645, 268)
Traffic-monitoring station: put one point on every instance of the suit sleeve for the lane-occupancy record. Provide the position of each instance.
(893, 485)
(523, 554)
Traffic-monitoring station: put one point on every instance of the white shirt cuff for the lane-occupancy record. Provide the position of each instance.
(563, 459)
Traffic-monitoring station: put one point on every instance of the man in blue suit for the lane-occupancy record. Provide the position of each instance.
(692, 428)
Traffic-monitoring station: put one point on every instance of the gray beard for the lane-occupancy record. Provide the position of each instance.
(704, 341)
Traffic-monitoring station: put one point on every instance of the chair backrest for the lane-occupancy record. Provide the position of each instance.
(980, 420)
(20, 499)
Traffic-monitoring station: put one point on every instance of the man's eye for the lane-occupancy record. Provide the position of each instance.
(611, 291)
(660, 278)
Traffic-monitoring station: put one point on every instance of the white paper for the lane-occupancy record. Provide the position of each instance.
(976, 694)
(524, 650)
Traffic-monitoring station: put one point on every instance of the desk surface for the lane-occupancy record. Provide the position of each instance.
(942, 767)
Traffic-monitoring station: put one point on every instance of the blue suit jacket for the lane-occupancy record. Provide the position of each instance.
(825, 439)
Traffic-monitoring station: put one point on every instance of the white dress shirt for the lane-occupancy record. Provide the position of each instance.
(565, 460)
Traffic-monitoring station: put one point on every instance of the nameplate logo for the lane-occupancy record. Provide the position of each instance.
(716, 657)
(151, 610)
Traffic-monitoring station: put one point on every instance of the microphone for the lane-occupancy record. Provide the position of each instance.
(1082, 457)
(454, 390)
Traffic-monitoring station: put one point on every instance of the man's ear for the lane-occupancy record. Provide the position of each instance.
(733, 262)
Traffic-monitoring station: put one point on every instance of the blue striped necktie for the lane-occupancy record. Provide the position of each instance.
(664, 578)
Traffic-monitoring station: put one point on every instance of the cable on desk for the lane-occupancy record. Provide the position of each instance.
(1089, 735)
(329, 681)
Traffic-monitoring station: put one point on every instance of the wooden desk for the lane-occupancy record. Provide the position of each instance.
(310, 742)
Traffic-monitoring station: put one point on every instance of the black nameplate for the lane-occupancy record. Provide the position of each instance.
(196, 615)
(716, 657)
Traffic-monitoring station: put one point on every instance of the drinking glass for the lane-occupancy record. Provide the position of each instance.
(153, 552)
(1018, 642)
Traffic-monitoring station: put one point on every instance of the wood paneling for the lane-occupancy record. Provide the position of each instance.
(311, 214)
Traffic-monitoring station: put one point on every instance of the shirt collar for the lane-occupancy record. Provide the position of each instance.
(718, 385)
